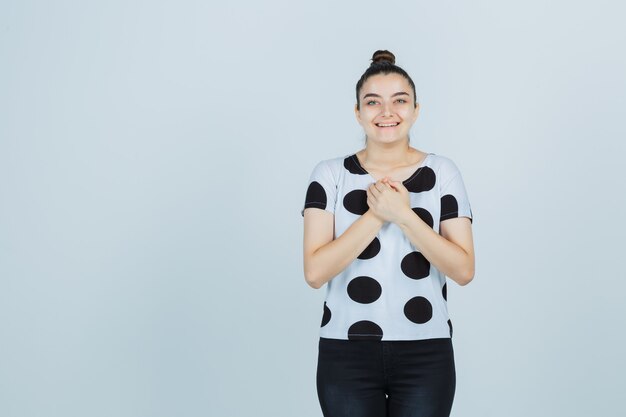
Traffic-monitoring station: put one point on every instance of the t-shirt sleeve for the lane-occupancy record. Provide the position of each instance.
(454, 199)
(322, 190)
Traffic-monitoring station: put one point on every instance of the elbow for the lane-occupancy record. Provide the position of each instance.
(312, 281)
(466, 277)
(314, 284)
(311, 275)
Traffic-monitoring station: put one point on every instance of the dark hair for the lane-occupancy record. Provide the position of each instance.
(383, 62)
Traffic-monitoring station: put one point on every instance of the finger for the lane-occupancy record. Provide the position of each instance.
(381, 185)
(400, 185)
(395, 185)
(370, 203)
(370, 194)
(384, 187)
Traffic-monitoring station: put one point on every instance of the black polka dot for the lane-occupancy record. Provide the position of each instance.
(315, 196)
(326, 316)
(418, 310)
(423, 180)
(351, 163)
(415, 266)
(371, 250)
(444, 291)
(424, 215)
(450, 326)
(365, 330)
(449, 207)
(364, 290)
(356, 202)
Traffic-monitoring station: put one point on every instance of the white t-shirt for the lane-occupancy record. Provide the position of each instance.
(390, 291)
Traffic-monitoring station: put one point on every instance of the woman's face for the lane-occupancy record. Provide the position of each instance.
(387, 112)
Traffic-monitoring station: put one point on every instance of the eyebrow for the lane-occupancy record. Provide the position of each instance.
(400, 93)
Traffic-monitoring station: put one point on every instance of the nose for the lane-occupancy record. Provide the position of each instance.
(386, 109)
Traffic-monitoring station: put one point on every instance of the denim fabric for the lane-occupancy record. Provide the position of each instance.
(368, 378)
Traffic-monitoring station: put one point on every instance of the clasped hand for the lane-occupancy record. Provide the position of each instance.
(388, 200)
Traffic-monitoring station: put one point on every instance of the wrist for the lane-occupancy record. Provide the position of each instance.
(369, 214)
(405, 218)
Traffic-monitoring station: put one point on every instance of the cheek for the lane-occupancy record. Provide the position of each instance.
(410, 115)
(367, 116)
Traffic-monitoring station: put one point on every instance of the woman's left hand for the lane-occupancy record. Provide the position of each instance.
(388, 199)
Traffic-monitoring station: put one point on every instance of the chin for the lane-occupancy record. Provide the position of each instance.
(388, 139)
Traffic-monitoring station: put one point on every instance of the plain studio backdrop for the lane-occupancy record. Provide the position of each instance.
(154, 159)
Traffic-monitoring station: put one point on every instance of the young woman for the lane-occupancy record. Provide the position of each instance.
(383, 227)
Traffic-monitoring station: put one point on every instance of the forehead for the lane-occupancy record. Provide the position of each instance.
(386, 85)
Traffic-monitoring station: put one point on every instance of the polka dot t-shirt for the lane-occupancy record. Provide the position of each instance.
(390, 291)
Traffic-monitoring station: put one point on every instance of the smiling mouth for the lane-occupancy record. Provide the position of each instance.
(387, 124)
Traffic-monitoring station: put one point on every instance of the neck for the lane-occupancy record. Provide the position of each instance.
(386, 155)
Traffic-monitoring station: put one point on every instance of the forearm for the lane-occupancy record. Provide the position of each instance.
(335, 256)
(446, 256)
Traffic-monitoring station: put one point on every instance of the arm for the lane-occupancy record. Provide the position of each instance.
(324, 257)
(451, 252)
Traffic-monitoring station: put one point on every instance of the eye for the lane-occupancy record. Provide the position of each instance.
(401, 100)
(370, 102)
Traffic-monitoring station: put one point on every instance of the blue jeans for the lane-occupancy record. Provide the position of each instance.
(369, 378)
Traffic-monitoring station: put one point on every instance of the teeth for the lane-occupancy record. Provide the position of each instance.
(387, 124)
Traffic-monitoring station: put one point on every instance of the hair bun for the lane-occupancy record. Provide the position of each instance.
(383, 57)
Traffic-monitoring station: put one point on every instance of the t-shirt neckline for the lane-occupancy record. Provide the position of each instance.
(417, 170)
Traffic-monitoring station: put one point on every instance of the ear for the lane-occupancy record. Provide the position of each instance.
(416, 111)
(357, 113)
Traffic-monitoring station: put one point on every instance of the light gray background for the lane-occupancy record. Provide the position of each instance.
(154, 158)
